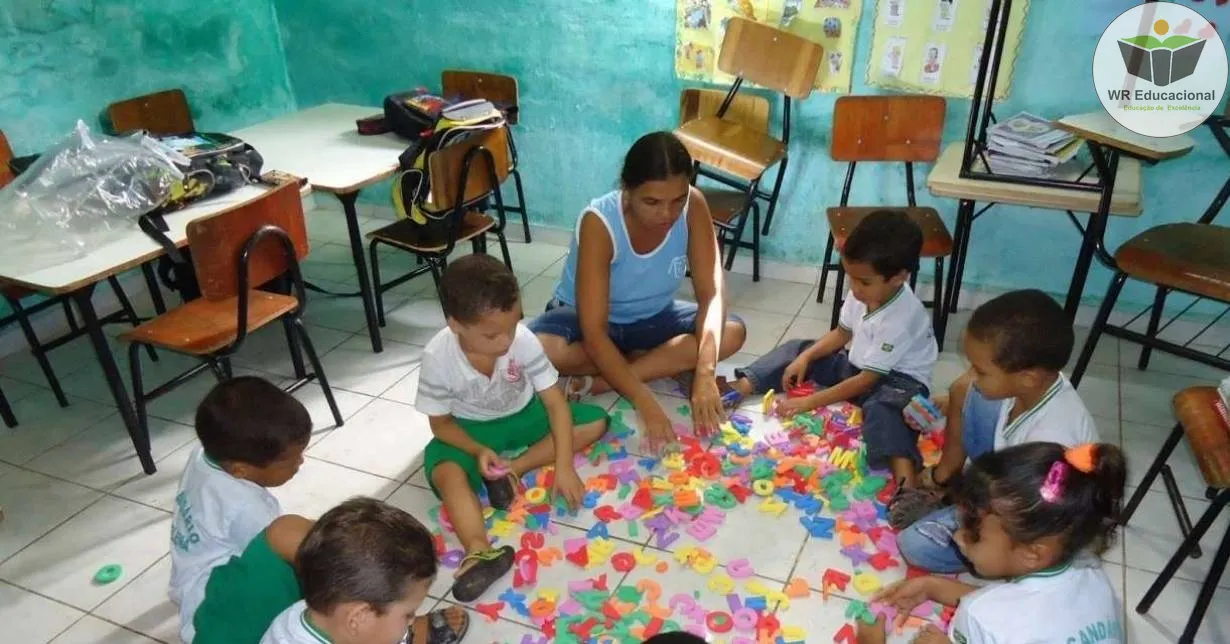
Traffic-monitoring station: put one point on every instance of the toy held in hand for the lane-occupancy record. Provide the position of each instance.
(922, 415)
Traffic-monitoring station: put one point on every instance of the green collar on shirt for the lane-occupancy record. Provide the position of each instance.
(883, 306)
(1046, 397)
(211, 462)
(1053, 571)
(311, 628)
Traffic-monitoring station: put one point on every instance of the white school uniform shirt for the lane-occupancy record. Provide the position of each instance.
(216, 517)
(450, 385)
(294, 627)
(897, 336)
(1059, 417)
(1072, 604)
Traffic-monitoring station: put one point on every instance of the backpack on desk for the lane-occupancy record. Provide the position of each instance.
(218, 164)
(412, 184)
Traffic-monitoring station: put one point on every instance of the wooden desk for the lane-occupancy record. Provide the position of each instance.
(322, 145)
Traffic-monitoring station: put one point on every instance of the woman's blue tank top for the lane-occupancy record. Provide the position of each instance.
(641, 285)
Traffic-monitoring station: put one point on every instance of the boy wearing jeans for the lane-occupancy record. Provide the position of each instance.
(891, 352)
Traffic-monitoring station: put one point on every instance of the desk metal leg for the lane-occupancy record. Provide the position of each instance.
(155, 291)
(965, 226)
(1093, 234)
(360, 265)
(111, 372)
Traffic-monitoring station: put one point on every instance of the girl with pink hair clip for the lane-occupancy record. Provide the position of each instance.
(1033, 518)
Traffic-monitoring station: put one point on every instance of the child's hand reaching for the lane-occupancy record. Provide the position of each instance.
(789, 407)
(568, 485)
(931, 635)
(905, 596)
(491, 465)
(872, 633)
(795, 373)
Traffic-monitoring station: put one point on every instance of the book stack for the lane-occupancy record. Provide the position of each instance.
(1030, 146)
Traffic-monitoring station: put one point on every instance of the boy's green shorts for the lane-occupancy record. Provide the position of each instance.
(518, 431)
(244, 595)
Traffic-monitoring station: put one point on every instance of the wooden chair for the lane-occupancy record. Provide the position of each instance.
(164, 113)
(464, 178)
(502, 91)
(1190, 258)
(902, 129)
(736, 154)
(254, 243)
(730, 207)
(1202, 419)
(16, 297)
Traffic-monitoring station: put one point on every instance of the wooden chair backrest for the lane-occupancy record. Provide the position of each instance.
(6, 155)
(445, 166)
(218, 240)
(497, 88)
(770, 57)
(161, 113)
(887, 128)
(748, 110)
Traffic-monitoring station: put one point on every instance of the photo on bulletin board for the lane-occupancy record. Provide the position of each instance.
(831, 23)
(935, 46)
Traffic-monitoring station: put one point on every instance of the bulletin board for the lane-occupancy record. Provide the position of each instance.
(832, 23)
(935, 46)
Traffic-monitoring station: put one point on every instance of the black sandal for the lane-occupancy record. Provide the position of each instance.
(489, 567)
(438, 629)
(502, 492)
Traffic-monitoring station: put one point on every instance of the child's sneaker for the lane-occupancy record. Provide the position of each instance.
(502, 492)
(909, 504)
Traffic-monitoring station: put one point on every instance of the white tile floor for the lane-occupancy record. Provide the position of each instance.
(75, 498)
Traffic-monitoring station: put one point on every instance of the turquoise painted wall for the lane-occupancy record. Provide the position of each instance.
(66, 60)
(595, 74)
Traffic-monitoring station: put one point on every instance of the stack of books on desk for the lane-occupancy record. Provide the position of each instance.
(1028, 145)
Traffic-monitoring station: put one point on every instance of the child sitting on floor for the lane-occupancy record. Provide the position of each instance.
(892, 346)
(252, 438)
(1033, 516)
(1013, 393)
(365, 567)
(487, 386)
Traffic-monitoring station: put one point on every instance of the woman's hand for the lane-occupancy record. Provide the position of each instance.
(655, 424)
(707, 410)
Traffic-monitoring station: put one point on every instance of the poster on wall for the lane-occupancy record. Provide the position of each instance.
(935, 46)
(832, 23)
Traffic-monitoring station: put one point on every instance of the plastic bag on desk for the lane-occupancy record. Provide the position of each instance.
(80, 194)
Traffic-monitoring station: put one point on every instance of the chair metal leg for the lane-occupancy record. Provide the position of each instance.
(1176, 560)
(377, 288)
(1155, 468)
(1155, 317)
(777, 191)
(69, 315)
(939, 314)
(838, 296)
(499, 235)
(435, 276)
(1099, 324)
(318, 370)
(129, 311)
(216, 368)
(155, 291)
(525, 213)
(292, 345)
(6, 411)
(140, 437)
(824, 269)
(737, 236)
(755, 242)
(1206, 590)
(36, 349)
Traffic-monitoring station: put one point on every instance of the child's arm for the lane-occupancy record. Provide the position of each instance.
(828, 344)
(952, 458)
(847, 389)
(947, 591)
(567, 482)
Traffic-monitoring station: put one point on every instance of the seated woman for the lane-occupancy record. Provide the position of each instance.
(614, 322)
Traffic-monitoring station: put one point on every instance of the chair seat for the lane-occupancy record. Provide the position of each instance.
(1206, 432)
(740, 150)
(204, 326)
(415, 237)
(724, 205)
(937, 242)
(1185, 256)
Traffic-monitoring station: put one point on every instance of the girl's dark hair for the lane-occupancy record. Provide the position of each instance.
(363, 550)
(1009, 484)
(654, 157)
(676, 637)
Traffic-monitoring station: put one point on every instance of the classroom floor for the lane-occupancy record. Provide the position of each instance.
(75, 499)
